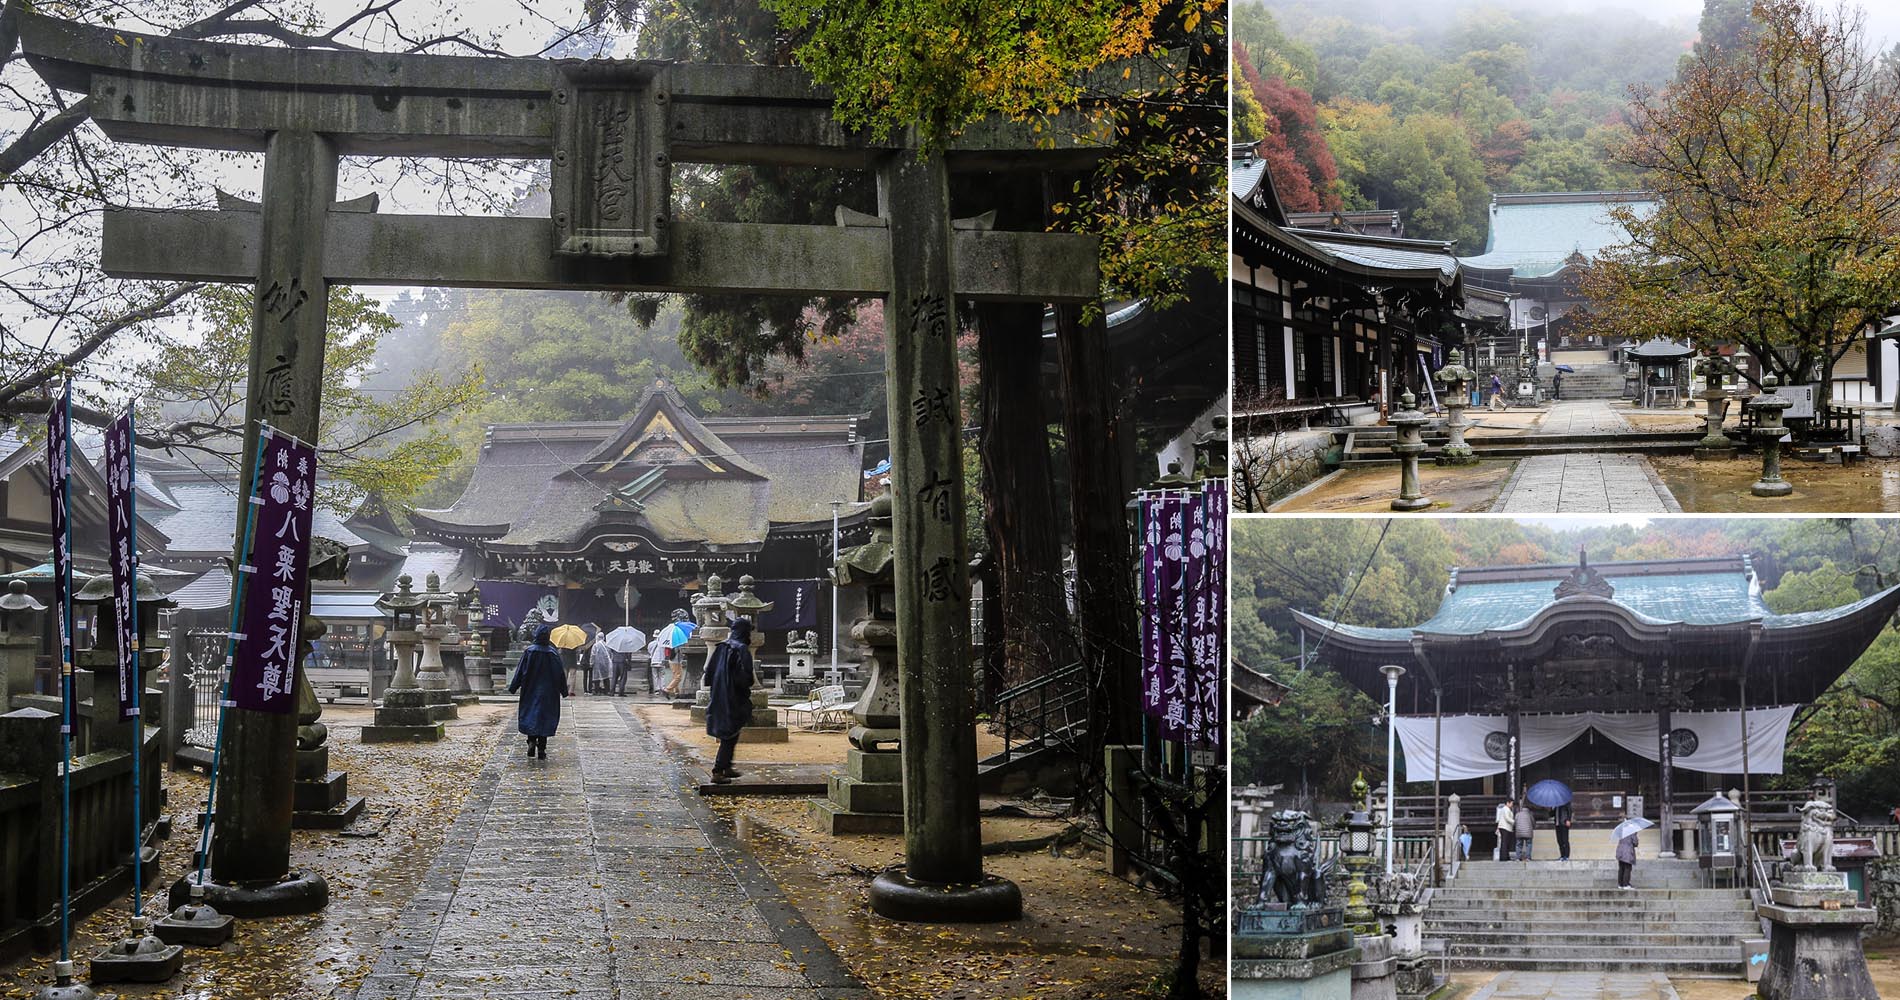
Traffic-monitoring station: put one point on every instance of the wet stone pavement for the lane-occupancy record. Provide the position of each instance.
(1589, 483)
(598, 874)
(1577, 986)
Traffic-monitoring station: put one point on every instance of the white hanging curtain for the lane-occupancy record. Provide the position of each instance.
(1475, 746)
(1478, 745)
(1715, 743)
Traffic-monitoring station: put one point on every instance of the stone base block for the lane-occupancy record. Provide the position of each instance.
(295, 893)
(1814, 880)
(320, 794)
(334, 818)
(853, 795)
(832, 819)
(1415, 978)
(765, 734)
(884, 765)
(427, 733)
(1455, 457)
(1812, 898)
(140, 958)
(1374, 975)
(1816, 955)
(1766, 489)
(1322, 977)
(874, 736)
(1414, 504)
(313, 763)
(1264, 921)
(1714, 454)
(894, 894)
(195, 924)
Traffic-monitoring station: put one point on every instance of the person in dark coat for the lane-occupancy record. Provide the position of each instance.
(1625, 861)
(541, 678)
(1562, 822)
(729, 679)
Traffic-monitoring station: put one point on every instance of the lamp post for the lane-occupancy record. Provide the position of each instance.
(1392, 672)
(835, 504)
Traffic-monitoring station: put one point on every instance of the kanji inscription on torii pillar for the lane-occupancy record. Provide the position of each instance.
(611, 179)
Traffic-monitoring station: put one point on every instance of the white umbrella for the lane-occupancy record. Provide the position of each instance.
(625, 639)
(1634, 824)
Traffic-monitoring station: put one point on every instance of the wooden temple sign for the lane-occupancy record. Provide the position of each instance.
(611, 178)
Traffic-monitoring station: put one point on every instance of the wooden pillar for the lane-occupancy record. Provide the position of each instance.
(1510, 708)
(1666, 759)
(251, 838)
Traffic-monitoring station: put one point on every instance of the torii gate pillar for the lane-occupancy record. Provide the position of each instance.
(942, 878)
(250, 844)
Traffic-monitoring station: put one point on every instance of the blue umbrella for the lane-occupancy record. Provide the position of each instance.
(1549, 794)
(677, 633)
(1566, 368)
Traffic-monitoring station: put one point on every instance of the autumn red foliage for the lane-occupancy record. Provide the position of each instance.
(1304, 174)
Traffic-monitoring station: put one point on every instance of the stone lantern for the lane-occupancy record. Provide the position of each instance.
(1714, 444)
(481, 680)
(1769, 432)
(404, 608)
(410, 712)
(432, 630)
(709, 613)
(1456, 379)
(869, 796)
(746, 604)
(1210, 451)
(19, 639)
(1409, 445)
(102, 660)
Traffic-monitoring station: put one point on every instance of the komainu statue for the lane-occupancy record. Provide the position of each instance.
(1814, 845)
(1291, 873)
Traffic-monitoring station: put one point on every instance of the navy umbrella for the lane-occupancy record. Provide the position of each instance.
(1566, 368)
(1549, 794)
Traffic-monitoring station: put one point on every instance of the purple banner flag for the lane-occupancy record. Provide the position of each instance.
(59, 470)
(1184, 613)
(264, 671)
(122, 552)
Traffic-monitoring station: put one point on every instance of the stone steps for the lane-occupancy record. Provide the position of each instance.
(1544, 942)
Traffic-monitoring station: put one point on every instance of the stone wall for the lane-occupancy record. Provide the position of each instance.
(1287, 460)
(1883, 887)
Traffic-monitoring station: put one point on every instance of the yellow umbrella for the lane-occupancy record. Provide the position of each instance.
(568, 636)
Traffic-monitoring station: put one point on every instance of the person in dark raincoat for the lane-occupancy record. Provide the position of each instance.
(541, 678)
(729, 679)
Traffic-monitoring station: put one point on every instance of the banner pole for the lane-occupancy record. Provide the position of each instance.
(238, 568)
(138, 677)
(66, 680)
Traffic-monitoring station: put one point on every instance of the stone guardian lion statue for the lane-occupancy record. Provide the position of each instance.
(1814, 844)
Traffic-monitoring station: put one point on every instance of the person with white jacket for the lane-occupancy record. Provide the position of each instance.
(1507, 830)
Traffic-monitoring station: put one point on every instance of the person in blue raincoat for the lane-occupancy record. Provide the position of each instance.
(729, 710)
(541, 678)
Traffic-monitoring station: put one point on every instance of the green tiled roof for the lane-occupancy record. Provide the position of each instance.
(1533, 237)
(1688, 598)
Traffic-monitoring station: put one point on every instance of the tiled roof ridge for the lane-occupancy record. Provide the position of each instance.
(1503, 198)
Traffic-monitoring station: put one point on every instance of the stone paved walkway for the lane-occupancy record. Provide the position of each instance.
(1577, 986)
(1583, 416)
(1589, 483)
(598, 874)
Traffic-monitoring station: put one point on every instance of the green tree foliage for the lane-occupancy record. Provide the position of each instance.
(390, 443)
(1536, 95)
(1822, 587)
(1779, 180)
(1250, 121)
(1314, 741)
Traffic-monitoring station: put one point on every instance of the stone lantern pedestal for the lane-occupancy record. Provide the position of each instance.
(1409, 446)
(1769, 433)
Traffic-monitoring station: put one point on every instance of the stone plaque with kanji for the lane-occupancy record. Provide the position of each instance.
(610, 182)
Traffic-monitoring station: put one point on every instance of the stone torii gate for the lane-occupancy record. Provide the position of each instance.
(612, 130)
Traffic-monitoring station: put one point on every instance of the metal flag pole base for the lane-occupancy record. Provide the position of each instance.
(63, 987)
(197, 922)
(138, 958)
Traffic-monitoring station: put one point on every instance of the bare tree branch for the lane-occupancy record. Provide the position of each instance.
(97, 339)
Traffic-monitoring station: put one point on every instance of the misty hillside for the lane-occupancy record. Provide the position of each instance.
(1431, 108)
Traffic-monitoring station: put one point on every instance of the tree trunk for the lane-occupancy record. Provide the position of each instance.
(1018, 493)
(1104, 569)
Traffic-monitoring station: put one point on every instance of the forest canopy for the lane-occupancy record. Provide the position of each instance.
(1433, 115)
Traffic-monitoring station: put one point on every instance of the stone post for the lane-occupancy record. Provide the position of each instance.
(942, 876)
(251, 837)
(19, 640)
(1768, 432)
(1408, 447)
(1714, 445)
(709, 611)
(1456, 379)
